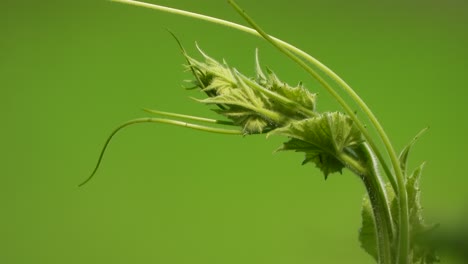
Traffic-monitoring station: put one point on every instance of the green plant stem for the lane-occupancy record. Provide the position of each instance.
(374, 181)
(369, 174)
(163, 121)
(381, 224)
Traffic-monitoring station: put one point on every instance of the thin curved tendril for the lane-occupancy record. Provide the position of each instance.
(189, 117)
(157, 120)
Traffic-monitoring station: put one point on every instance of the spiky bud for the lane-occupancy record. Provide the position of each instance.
(258, 104)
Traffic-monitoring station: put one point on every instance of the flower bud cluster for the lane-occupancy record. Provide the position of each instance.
(258, 104)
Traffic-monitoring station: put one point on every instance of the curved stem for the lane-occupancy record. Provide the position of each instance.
(381, 207)
(156, 120)
(370, 176)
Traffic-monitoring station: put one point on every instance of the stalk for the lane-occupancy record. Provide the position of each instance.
(370, 176)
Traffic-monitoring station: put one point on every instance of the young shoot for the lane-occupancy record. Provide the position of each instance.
(332, 141)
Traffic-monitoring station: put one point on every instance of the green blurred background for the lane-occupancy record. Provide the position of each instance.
(71, 71)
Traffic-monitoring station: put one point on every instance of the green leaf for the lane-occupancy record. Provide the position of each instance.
(324, 139)
(414, 203)
(405, 152)
(420, 252)
(325, 162)
(367, 233)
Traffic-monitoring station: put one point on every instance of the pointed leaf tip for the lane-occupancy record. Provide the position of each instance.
(403, 158)
(258, 68)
